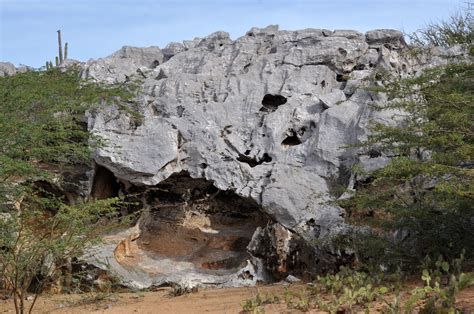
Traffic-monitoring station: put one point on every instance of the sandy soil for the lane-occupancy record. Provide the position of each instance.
(226, 300)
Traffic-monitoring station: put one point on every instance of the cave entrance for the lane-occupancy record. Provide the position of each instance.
(105, 184)
(191, 224)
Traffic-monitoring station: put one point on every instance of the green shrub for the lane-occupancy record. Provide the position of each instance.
(425, 192)
(42, 136)
(439, 297)
(458, 29)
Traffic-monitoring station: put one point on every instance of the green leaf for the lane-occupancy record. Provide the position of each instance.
(445, 266)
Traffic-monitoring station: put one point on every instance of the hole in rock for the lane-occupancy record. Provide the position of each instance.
(374, 153)
(271, 102)
(362, 183)
(192, 226)
(342, 77)
(179, 111)
(105, 184)
(342, 51)
(292, 139)
(266, 158)
(252, 161)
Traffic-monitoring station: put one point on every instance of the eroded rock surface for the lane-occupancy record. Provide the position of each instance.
(7, 68)
(269, 117)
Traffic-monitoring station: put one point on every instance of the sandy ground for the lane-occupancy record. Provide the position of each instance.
(227, 300)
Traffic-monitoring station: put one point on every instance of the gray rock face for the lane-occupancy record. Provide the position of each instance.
(270, 116)
(6, 69)
(123, 64)
(391, 37)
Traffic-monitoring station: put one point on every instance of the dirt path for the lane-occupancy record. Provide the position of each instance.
(226, 300)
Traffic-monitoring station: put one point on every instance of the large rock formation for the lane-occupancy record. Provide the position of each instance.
(266, 121)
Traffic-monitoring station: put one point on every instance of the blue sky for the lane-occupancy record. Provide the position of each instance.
(96, 28)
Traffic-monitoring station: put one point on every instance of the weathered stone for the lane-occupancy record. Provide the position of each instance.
(284, 253)
(272, 117)
(121, 65)
(172, 49)
(334, 98)
(391, 37)
(349, 34)
(7, 69)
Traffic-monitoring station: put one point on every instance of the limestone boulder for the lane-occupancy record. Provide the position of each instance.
(271, 117)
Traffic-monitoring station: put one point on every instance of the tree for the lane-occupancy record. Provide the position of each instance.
(458, 29)
(42, 136)
(425, 194)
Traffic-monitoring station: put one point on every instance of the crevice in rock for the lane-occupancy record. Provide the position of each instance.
(104, 184)
(342, 77)
(339, 181)
(253, 161)
(270, 103)
(374, 153)
(179, 111)
(363, 182)
(161, 75)
(292, 139)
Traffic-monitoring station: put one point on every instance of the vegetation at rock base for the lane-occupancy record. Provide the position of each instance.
(350, 291)
(423, 197)
(419, 207)
(43, 139)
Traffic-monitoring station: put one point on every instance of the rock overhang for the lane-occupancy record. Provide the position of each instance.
(272, 116)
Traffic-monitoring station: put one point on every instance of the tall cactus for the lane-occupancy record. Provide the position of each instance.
(49, 65)
(60, 47)
(59, 60)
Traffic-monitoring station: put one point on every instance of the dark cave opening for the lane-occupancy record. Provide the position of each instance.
(292, 139)
(270, 102)
(105, 184)
(374, 153)
(253, 161)
(342, 77)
